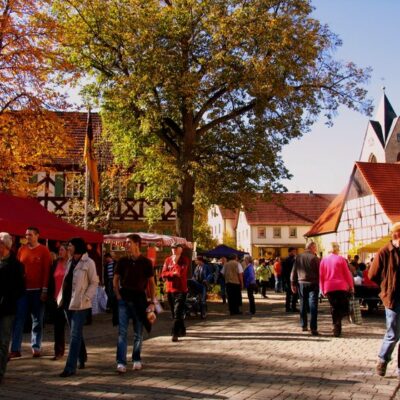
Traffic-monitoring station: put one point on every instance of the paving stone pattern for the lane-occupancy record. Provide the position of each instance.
(260, 357)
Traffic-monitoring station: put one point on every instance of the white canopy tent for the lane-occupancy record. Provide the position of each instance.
(118, 239)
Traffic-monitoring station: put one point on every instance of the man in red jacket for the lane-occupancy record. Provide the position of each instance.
(37, 260)
(174, 272)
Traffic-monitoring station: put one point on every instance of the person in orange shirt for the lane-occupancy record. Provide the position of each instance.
(37, 260)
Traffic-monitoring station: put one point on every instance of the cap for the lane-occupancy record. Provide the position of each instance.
(395, 227)
(175, 245)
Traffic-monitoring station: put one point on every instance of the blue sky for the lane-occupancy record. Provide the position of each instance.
(322, 160)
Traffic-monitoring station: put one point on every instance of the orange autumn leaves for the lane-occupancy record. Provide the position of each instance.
(31, 70)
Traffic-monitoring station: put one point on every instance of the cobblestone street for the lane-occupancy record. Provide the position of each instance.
(266, 356)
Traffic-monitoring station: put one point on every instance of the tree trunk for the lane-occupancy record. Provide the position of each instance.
(185, 208)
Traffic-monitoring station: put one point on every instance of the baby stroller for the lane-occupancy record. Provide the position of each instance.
(193, 305)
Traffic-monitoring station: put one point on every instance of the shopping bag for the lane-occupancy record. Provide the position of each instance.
(99, 303)
(355, 311)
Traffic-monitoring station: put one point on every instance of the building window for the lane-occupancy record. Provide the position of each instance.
(372, 158)
(292, 232)
(398, 137)
(59, 185)
(276, 232)
(261, 233)
(74, 185)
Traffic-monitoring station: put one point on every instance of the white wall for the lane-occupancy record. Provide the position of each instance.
(216, 223)
(243, 233)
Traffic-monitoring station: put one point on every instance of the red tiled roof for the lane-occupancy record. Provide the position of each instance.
(288, 209)
(76, 124)
(329, 219)
(227, 213)
(384, 181)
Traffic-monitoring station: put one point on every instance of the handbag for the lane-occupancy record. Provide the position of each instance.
(354, 311)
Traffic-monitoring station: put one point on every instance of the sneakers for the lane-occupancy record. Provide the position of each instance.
(314, 332)
(381, 368)
(175, 338)
(36, 353)
(137, 365)
(121, 368)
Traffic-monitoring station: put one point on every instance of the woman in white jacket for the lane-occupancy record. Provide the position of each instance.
(78, 289)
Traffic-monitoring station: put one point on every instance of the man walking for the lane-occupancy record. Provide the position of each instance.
(37, 260)
(12, 287)
(385, 271)
(305, 280)
(132, 276)
(233, 273)
(287, 267)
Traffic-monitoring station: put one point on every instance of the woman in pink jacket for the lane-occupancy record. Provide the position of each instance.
(337, 284)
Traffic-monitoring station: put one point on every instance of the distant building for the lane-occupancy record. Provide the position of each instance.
(268, 228)
(222, 223)
(360, 217)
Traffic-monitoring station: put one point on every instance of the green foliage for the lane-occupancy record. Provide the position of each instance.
(200, 96)
(229, 240)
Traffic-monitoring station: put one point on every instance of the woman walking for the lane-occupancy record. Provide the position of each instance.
(337, 284)
(78, 289)
(57, 273)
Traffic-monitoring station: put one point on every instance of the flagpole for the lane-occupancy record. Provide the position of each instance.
(87, 178)
(86, 199)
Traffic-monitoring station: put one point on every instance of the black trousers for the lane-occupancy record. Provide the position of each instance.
(177, 305)
(250, 295)
(339, 301)
(59, 321)
(291, 298)
(234, 294)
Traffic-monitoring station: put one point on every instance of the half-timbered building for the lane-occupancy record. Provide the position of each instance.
(61, 189)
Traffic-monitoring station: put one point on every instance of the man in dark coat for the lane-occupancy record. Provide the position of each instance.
(12, 287)
(287, 266)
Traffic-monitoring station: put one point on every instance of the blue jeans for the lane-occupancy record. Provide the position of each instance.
(127, 310)
(30, 302)
(278, 283)
(392, 334)
(6, 323)
(308, 293)
(77, 348)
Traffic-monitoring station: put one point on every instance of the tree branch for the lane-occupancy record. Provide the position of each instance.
(208, 104)
(166, 138)
(173, 126)
(227, 117)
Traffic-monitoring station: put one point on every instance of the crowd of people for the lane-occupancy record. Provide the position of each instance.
(31, 279)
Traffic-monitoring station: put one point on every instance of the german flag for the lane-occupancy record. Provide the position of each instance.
(91, 162)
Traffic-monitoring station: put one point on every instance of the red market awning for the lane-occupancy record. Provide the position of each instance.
(18, 213)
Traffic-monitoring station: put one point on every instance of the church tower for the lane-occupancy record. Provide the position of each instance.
(382, 138)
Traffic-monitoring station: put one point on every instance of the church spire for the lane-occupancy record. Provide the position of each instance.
(385, 115)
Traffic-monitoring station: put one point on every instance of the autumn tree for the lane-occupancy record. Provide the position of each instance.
(30, 135)
(201, 95)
